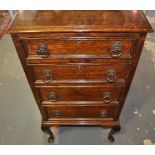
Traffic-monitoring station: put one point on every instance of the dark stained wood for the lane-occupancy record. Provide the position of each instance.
(80, 73)
(80, 93)
(72, 59)
(79, 45)
(72, 35)
(80, 111)
(80, 21)
(82, 121)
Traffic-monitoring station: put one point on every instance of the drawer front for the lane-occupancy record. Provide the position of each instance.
(82, 111)
(106, 73)
(107, 47)
(106, 94)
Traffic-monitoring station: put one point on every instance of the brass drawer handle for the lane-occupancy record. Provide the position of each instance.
(52, 96)
(116, 50)
(42, 51)
(47, 76)
(111, 76)
(57, 114)
(107, 97)
(103, 114)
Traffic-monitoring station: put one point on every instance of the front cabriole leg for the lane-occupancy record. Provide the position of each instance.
(112, 131)
(47, 130)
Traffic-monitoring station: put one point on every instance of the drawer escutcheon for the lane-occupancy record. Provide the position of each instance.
(57, 114)
(103, 114)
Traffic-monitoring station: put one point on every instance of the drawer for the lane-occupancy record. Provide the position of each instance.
(106, 94)
(83, 47)
(80, 111)
(81, 73)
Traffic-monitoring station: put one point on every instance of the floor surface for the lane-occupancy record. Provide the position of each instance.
(20, 119)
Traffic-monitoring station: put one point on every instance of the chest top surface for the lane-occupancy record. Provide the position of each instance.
(79, 21)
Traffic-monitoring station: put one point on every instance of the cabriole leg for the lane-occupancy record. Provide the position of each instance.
(112, 131)
(47, 130)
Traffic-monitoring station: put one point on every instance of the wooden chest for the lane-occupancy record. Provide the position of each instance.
(79, 64)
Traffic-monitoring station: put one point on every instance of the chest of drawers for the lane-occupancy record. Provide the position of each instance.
(79, 64)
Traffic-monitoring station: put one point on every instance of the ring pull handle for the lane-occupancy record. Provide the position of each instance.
(111, 76)
(103, 114)
(47, 76)
(52, 96)
(107, 97)
(42, 51)
(116, 49)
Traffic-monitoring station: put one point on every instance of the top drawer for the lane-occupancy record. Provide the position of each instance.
(112, 47)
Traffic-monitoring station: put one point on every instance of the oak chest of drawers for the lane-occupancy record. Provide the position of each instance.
(79, 64)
